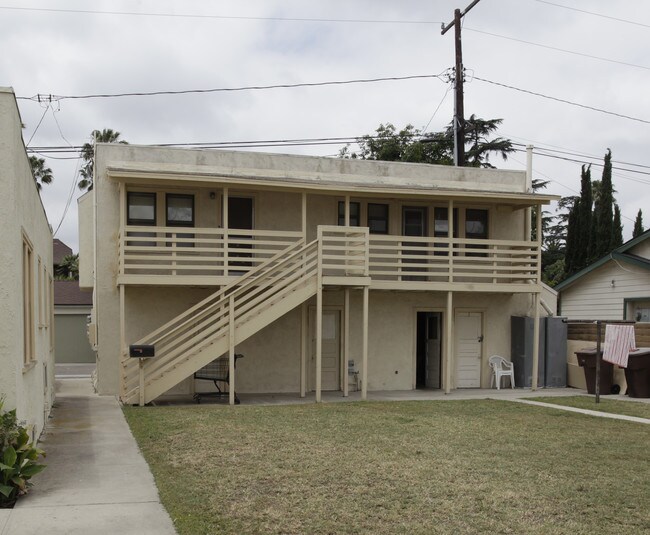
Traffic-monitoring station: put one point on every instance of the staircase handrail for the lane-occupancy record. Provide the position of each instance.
(217, 297)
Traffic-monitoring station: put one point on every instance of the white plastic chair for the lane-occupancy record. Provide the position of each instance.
(501, 368)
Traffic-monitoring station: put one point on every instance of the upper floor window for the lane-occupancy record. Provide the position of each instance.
(141, 208)
(441, 222)
(378, 218)
(180, 210)
(476, 224)
(355, 211)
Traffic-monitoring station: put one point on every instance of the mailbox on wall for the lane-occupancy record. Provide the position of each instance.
(142, 351)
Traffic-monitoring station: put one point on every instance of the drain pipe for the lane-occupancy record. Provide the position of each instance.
(529, 189)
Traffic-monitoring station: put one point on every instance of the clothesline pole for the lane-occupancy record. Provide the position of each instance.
(598, 335)
(599, 324)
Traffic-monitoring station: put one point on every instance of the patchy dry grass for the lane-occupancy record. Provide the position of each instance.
(614, 406)
(384, 468)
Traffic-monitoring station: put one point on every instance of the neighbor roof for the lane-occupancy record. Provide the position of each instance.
(68, 293)
(620, 253)
(59, 251)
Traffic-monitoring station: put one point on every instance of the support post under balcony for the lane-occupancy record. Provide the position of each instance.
(448, 340)
(304, 333)
(346, 341)
(364, 348)
(231, 352)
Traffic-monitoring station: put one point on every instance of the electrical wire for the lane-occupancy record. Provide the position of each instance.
(626, 21)
(47, 107)
(564, 101)
(223, 17)
(557, 49)
(436, 111)
(51, 97)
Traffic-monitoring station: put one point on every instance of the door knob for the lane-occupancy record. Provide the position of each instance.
(480, 338)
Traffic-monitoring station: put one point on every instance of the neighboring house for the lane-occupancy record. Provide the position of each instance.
(59, 251)
(72, 306)
(616, 287)
(71, 310)
(302, 264)
(26, 325)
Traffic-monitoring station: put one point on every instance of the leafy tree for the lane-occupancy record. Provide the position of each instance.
(42, 174)
(411, 145)
(88, 155)
(603, 227)
(68, 269)
(638, 225)
(478, 145)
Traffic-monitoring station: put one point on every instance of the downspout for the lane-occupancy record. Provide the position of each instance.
(529, 189)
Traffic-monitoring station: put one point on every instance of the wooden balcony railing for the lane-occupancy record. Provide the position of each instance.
(198, 251)
(173, 255)
(444, 260)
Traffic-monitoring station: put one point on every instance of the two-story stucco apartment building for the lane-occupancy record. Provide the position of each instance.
(26, 304)
(310, 267)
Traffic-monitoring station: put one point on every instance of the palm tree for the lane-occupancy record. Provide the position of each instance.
(42, 175)
(88, 155)
(68, 269)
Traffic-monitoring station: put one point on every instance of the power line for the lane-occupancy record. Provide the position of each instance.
(557, 49)
(37, 126)
(626, 21)
(51, 97)
(596, 164)
(221, 17)
(564, 101)
(558, 152)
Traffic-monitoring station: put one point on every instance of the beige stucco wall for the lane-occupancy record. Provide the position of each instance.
(86, 240)
(272, 356)
(30, 389)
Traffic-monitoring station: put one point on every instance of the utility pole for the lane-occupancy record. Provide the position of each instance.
(459, 112)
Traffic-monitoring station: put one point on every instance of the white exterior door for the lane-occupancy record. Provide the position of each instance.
(469, 338)
(331, 352)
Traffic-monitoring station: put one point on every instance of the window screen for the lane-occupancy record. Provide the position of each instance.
(378, 218)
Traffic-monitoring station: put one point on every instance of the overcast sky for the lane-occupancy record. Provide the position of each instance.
(603, 63)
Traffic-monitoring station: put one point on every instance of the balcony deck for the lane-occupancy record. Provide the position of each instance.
(213, 257)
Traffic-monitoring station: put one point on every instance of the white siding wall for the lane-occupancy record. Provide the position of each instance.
(594, 297)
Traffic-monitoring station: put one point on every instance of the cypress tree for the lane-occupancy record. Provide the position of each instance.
(617, 237)
(571, 240)
(638, 225)
(603, 223)
(583, 224)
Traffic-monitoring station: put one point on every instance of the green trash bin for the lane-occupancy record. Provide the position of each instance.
(587, 359)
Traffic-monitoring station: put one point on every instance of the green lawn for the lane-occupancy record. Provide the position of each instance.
(403, 467)
(615, 406)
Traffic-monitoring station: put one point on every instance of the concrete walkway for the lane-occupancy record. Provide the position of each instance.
(96, 481)
(589, 412)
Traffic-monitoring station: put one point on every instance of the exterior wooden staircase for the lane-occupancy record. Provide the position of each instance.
(209, 329)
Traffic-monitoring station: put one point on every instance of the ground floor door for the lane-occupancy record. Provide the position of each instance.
(468, 343)
(428, 350)
(331, 353)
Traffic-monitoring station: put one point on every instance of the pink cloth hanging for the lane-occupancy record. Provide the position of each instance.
(619, 341)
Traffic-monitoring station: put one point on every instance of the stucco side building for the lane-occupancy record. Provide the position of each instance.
(310, 267)
(26, 303)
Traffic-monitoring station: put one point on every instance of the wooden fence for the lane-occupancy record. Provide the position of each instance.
(587, 332)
